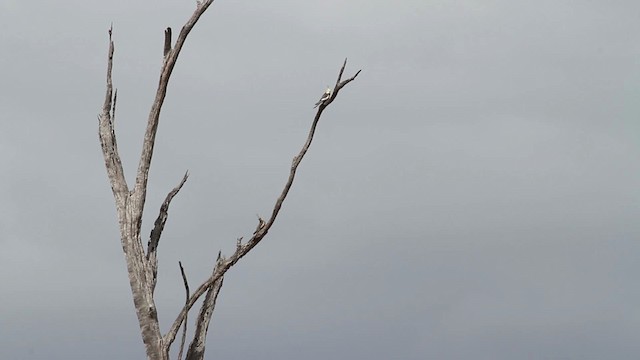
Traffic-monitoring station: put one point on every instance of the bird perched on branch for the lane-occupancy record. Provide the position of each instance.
(326, 96)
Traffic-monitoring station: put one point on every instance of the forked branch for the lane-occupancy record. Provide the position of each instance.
(223, 264)
(142, 268)
(107, 133)
(197, 346)
(154, 238)
(170, 58)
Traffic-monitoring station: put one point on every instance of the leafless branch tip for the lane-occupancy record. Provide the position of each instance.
(184, 329)
(167, 41)
(212, 284)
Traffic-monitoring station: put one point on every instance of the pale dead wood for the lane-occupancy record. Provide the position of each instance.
(107, 134)
(129, 227)
(142, 267)
(170, 59)
(197, 346)
(161, 220)
(128, 218)
(225, 264)
(154, 238)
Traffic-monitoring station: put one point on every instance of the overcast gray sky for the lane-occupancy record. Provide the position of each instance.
(474, 194)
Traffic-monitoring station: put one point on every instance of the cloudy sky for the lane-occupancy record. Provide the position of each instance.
(474, 194)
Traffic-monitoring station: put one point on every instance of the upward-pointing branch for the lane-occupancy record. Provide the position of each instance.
(156, 233)
(171, 56)
(142, 269)
(223, 264)
(107, 132)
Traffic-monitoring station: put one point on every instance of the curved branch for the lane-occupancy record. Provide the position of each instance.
(224, 264)
(171, 56)
(161, 220)
(184, 329)
(154, 238)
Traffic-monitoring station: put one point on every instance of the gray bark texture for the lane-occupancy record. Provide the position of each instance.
(142, 265)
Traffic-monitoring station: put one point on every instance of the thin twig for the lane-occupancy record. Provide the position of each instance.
(156, 232)
(154, 238)
(167, 41)
(184, 329)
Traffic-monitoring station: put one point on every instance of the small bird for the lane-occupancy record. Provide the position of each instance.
(326, 96)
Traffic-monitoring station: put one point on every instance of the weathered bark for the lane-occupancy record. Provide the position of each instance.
(142, 266)
(223, 264)
(130, 204)
(196, 349)
(154, 238)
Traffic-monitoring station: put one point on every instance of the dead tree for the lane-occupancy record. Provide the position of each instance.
(142, 264)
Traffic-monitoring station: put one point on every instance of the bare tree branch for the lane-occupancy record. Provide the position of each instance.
(339, 85)
(142, 176)
(129, 221)
(107, 133)
(242, 249)
(184, 329)
(303, 151)
(154, 238)
(141, 268)
(197, 346)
